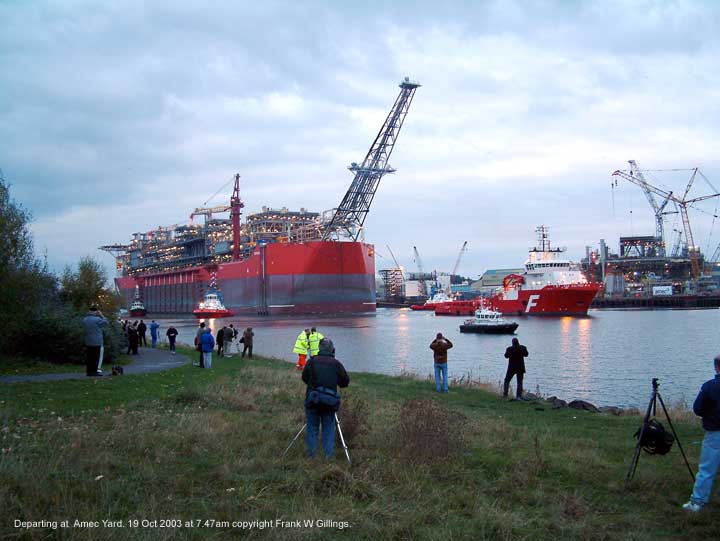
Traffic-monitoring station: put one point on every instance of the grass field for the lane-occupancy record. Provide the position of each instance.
(21, 366)
(199, 446)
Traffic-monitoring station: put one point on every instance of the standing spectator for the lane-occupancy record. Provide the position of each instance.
(94, 323)
(323, 374)
(440, 346)
(172, 336)
(707, 406)
(154, 332)
(247, 339)
(198, 342)
(302, 346)
(133, 339)
(314, 341)
(235, 337)
(228, 335)
(208, 345)
(515, 355)
(219, 340)
(142, 328)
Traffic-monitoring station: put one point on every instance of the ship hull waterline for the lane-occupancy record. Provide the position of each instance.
(320, 277)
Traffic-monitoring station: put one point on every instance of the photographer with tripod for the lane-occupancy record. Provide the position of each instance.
(707, 406)
(323, 374)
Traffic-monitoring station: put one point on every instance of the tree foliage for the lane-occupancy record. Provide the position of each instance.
(41, 316)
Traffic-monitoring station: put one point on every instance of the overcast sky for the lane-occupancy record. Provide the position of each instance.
(117, 117)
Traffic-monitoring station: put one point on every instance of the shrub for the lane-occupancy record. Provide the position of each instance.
(353, 415)
(427, 432)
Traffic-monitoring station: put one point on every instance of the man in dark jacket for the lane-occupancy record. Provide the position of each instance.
(322, 374)
(219, 340)
(516, 367)
(142, 328)
(440, 346)
(247, 339)
(707, 406)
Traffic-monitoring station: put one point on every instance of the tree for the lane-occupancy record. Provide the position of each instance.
(87, 286)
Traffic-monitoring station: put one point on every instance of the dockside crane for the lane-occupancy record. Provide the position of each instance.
(657, 209)
(350, 216)
(683, 203)
(459, 257)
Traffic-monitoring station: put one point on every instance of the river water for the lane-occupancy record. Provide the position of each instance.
(607, 358)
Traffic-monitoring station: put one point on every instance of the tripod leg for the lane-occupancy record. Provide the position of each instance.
(294, 439)
(677, 439)
(342, 439)
(636, 455)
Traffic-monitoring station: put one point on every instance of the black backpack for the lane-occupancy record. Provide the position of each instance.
(655, 439)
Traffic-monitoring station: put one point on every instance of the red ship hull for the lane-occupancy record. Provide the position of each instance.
(423, 307)
(457, 308)
(320, 277)
(556, 300)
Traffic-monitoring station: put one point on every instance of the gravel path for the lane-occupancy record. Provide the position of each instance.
(149, 360)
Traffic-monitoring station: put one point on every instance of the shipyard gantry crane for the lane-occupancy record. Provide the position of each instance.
(350, 215)
(682, 203)
(657, 209)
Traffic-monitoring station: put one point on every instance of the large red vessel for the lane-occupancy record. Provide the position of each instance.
(278, 261)
(550, 286)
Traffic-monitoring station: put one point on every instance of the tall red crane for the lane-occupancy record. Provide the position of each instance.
(236, 206)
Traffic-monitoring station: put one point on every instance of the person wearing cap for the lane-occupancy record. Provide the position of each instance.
(314, 341)
(440, 346)
(515, 355)
(93, 324)
(322, 374)
(707, 406)
(302, 346)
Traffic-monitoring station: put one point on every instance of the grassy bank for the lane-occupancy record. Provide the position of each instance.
(191, 445)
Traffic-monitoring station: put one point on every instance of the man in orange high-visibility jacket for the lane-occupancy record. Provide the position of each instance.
(302, 345)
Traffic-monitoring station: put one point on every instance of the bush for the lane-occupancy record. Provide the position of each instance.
(427, 432)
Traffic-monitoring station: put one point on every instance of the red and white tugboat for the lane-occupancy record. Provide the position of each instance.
(137, 308)
(212, 307)
(550, 286)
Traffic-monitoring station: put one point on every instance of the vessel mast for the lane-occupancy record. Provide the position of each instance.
(236, 206)
(350, 215)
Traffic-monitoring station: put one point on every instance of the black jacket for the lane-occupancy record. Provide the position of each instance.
(707, 404)
(516, 358)
(324, 371)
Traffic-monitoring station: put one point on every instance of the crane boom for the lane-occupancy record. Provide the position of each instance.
(421, 280)
(459, 257)
(350, 215)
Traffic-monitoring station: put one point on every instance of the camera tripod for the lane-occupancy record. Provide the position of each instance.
(342, 439)
(652, 410)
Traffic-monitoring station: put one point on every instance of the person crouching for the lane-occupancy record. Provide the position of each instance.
(323, 374)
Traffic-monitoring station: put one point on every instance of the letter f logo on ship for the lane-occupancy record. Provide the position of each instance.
(532, 301)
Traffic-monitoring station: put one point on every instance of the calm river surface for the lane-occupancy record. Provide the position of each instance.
(607, 358)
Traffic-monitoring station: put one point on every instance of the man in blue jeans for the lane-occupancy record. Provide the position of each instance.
(323, 373)
(440, 346)
(707, 406)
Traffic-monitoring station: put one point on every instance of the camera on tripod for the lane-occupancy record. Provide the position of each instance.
(652, 436)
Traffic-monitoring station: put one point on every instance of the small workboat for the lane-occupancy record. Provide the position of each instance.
(488, 321)
(212, 307)
(137, 308)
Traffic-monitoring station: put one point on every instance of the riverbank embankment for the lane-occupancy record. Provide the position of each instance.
(194, 445)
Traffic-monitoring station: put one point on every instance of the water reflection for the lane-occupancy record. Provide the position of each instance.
(608, 358)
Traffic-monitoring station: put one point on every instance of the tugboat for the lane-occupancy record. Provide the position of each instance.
(488, 321)
(212, 307)
(137, 308)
